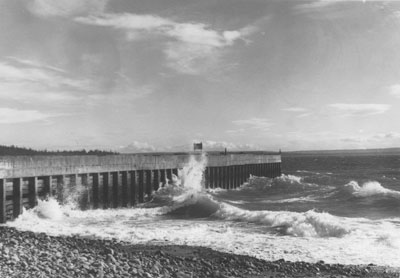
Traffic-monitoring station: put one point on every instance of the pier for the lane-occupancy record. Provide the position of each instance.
(114, 181)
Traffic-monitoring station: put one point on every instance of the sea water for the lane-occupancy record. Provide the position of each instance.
(339, 209)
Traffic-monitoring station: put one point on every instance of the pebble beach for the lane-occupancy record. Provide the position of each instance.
(28, 254)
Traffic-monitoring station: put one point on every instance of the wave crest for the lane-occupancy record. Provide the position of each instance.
(306, 224)
(371, 188)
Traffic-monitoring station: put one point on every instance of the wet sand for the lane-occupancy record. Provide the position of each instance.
(26, 254)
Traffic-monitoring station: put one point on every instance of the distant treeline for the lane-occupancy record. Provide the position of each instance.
(14, 150)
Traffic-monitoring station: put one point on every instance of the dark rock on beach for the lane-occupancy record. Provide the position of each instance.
(26, 254)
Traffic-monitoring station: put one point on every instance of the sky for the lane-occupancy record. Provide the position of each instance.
(158, 75)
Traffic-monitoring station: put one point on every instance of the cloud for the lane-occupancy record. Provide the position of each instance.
(259, 124)
(127, 21)
(373, 139)
(24, 72)
(191, 48)
(122, 94)
(394, 90)
(301, 112)
(389, 135)
(31, 81)
(137, 147)
(35, 64)
(318, 4)
(360, 109)
(13, 116)
(65, 8)
(295, 109)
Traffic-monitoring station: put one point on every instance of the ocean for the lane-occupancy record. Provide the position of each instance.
(339, 209)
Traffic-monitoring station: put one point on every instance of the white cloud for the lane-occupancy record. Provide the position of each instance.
(236, 131)
(32, 63)
(192, 47)
(360, 109)
(388, 139)
(65, 8)
(188, 58)
(388, 136)
(122, 94)
(394, 90)
(260, 124)
(317, 4)
(31, 81)
(12, 116)
(295, 109)
(127, 21)
(301, 112)
(34, 74)
(137, 147)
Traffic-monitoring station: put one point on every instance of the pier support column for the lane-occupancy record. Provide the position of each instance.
(226, 177)
(243, 175)
(149, 184)
(210, 177)
(231, 177)
(134, 181)
(253, 169)
(279, 169)
(141, 185)
(240, 175)
(274, 172)
(3, 193)
(125, 192)
(17, 197)
(237, 176)
(47, 186)
(87, 198)
(233, 183)
(106, 190)
(156, 179)
(175, 172)
(169, 174)
(207, 178)
(219, 177)
(234, 177)
(32, 191)
(213, 178)
(95, 189)
(59, 187)
(270, 170)
(163, 176)
(115, 189)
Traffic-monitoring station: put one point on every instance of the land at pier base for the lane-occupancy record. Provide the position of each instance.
(26, 254)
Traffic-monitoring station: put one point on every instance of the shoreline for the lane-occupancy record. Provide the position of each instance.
(28, 254)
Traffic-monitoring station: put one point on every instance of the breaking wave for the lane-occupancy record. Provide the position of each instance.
(283, 183)
(368, 189)
(307, 224)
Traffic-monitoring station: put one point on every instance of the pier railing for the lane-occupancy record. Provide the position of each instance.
(116, 180)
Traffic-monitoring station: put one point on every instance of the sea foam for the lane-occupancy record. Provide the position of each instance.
(371, 188)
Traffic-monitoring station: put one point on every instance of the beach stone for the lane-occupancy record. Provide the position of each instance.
(110, 259)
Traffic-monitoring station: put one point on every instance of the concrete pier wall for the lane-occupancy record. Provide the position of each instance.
(116, 180)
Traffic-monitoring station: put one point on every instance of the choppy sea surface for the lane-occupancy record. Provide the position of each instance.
(339, 209)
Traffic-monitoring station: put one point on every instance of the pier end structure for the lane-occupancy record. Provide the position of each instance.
(113, 181)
